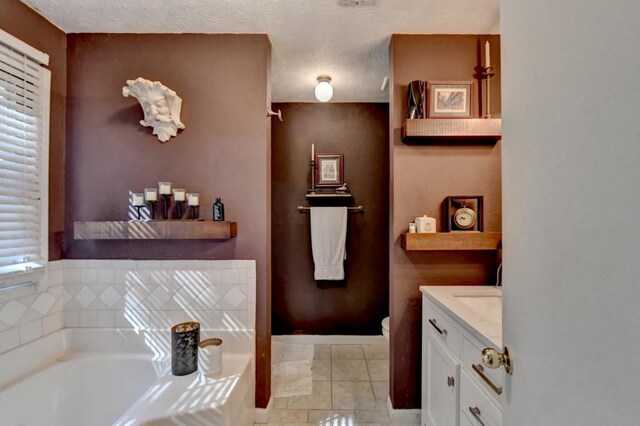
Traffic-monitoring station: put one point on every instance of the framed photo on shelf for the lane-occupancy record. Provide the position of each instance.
(329, 170)
(451, 99)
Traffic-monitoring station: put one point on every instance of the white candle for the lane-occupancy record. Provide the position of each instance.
(313, 151)
(165, 188)
(487, 55)
(150, 194)
(193, 199)
(137, 199)
(178, 194)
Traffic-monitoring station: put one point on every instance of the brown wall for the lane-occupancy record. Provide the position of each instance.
(224, 150)
(25, 24)
(357, 304)
(421, 177)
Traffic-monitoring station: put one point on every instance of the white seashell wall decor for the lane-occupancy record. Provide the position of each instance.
(160, 104)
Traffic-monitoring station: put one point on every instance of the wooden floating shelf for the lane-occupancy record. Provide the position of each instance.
(477, 131)
(329, 195)
(452, 241)
(155, 230)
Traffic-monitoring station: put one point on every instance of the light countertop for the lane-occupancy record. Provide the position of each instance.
(479, 308)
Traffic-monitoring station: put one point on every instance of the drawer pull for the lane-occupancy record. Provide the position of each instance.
(478, 369)
(451, 381)
(475, 412)
(433, 323)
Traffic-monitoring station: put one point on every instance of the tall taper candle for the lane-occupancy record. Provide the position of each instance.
(487, 55)
(313, 152)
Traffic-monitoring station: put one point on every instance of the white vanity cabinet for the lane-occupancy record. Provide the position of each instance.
(456, 388)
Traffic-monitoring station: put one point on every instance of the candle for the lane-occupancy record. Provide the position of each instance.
(137, 199)
(179, 194)
(165, 188)
(193, 199)
(150, 194)
(487, 55)
(313, 151)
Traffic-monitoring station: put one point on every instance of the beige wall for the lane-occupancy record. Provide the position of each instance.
(421, 177)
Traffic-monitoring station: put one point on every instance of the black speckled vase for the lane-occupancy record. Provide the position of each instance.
(184, 348)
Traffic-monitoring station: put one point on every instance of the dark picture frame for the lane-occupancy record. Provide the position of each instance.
(451, 99)
(329, 170)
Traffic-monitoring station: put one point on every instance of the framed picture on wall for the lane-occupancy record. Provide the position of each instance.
(451, 99)
(329, 170)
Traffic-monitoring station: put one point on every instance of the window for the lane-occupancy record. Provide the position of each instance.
(24, 163)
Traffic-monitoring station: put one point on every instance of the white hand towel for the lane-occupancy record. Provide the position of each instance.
(328, 236)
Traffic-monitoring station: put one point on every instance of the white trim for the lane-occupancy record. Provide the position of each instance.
(403, 417)
(19, 45)
(45, 105)
(303, 339)
(263, 414)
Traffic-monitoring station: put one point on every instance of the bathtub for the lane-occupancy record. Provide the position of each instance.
(98, 377)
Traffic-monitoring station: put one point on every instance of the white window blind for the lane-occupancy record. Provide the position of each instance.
(24, 146)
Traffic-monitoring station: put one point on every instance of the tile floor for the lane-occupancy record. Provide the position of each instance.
(350, 388)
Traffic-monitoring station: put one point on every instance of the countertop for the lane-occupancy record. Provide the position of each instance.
(483, 321)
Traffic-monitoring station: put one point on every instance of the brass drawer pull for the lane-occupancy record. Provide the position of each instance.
(475, 412)
(433, 323)
(451, 381)
(478, 369)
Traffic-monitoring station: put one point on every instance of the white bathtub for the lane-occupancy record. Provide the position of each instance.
(89, 377)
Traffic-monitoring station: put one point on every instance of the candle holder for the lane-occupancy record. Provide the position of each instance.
(151, 196)
(137, 201)
(194, 209)
(165, 205)
(486, 74)
(193, 201)
(152, 209)
(179, 197)
(312, 164)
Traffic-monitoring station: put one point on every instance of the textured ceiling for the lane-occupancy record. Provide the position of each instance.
(309, 37)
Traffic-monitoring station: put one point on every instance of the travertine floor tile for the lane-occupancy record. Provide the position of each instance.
(372, 416)
(320, 398)
(346, 352)
(331, 417)
(288, 416)
(322, 352)
(321, 369)
(349, 370)
(350, 395)
(378, 369)
(376, 351)
(381, 392)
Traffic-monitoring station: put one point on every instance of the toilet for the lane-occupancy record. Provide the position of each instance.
(385, 328)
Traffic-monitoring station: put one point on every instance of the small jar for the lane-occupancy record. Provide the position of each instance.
(412, 228)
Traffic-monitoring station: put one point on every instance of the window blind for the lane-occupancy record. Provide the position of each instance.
(24, 123)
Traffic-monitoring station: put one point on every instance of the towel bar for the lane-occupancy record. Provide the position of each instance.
(357, 209)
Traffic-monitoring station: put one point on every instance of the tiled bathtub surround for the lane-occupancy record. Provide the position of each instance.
(31, 312)
(153, 294)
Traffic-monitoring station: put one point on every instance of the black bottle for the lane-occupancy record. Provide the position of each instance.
(218, 210)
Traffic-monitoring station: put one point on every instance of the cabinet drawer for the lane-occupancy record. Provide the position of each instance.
(435, 321)
(472, 397)
(493, 380)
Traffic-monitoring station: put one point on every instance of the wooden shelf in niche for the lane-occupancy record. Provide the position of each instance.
(452, 241)
(155, 230)
(330, 195)
(472, 131)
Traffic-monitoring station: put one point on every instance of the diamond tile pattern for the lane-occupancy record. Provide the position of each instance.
(110, 297)
(29, 313)
(12, 312)
(220, 294)
(157, 294)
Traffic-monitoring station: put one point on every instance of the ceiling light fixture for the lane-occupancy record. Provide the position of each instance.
(324, 90)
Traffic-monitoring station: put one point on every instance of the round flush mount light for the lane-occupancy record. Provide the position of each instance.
(324, 91)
